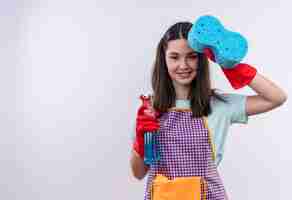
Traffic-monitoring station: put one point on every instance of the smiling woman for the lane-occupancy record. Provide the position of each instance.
(193, 120)
(182, 65)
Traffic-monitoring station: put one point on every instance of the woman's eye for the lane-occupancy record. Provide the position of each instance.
(174, 58)
(193, 56)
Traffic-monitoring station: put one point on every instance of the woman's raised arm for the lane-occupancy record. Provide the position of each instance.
(269, 96)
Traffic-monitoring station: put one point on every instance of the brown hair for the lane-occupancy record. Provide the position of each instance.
(164, 96)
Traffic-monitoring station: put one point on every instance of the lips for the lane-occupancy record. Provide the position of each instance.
(184, 75)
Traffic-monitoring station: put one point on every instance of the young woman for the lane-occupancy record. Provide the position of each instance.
(192, 118)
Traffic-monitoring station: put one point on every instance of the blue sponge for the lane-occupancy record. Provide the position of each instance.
(229, 47)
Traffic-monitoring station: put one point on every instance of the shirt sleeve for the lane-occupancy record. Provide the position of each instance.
(237, 108)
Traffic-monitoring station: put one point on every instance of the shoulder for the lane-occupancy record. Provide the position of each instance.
(227, 99)
(229, 104)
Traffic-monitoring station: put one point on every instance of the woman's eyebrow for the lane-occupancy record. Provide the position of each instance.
(173, 53)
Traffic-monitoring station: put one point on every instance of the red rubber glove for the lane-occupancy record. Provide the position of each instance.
(146, 121)
(238, 76)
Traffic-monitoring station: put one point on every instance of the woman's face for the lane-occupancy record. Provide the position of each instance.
(181, 62)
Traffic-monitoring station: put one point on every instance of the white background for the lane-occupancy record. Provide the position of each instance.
(71, 73)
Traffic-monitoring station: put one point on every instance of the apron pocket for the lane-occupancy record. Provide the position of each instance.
(186, 188)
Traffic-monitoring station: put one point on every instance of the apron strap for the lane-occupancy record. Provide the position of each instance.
(210, 138)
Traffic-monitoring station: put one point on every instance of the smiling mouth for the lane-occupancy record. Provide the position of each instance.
(184, 75)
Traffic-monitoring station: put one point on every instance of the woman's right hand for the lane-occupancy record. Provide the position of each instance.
(146, 121)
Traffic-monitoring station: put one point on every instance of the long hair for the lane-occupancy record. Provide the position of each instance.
(164, 96)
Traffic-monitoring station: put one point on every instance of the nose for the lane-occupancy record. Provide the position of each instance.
(184, 63)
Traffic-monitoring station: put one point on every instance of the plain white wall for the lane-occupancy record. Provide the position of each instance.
(71, 75)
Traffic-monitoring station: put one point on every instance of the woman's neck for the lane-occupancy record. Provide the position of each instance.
(181, 91)
(182, 94)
